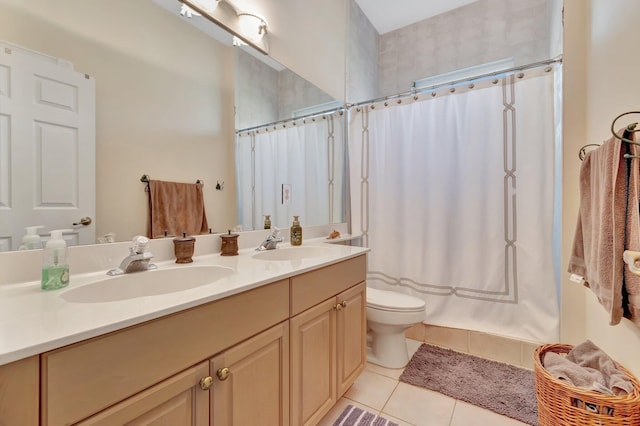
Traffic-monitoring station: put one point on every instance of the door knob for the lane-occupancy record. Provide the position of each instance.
(86, 221)
(223, 373)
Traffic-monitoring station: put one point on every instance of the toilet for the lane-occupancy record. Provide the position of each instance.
(389, 314)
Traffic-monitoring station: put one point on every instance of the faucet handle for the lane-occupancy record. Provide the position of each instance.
(274, 232)
(140, 244)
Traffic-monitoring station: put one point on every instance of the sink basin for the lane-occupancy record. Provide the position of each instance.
(292, 253)
(148, 283)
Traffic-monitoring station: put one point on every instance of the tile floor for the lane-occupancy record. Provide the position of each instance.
(379, 391)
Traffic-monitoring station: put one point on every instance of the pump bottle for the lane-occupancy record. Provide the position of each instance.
(296, 232)
(55, 266)
(31, 239)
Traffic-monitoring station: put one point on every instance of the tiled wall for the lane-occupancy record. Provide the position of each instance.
(362, 51)
(481, 32)
(514, 352)
(265, 95)
(256, 99)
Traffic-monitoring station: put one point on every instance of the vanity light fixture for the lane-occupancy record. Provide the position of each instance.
(206, 5)
(247, 28)
(252, 26)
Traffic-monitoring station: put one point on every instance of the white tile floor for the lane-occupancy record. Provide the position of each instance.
(379, 391)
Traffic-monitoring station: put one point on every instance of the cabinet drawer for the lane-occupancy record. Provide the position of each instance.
(313, 287)
(84, 378)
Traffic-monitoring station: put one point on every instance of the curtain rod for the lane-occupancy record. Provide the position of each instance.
(414, 92)
(402, 94)
(313, 115)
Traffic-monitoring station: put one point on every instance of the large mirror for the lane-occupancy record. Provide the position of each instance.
(165, 106)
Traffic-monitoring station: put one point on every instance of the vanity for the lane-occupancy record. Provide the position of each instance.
(276, 342)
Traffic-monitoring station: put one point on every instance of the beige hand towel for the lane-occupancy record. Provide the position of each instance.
(176, 208)
(589, 367)
(599, 239)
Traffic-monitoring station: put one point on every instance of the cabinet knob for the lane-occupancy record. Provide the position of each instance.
(343, 303)
(206, 382)
(340, 306)
(223, 373)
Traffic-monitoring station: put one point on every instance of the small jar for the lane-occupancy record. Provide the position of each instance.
(183, 248)
(229, 245)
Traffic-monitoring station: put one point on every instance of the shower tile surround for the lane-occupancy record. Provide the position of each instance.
(480, 32)
(484, 345)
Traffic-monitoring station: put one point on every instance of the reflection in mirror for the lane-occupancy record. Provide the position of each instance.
(289, 148)
(289, 145)
(164, 102)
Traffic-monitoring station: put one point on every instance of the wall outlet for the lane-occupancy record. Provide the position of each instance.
(286, 193)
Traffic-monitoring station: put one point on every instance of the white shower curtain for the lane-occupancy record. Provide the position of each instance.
(306, 157)
(454, 194)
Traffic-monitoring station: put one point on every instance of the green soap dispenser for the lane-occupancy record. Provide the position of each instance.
(296, 232)
(55, 266)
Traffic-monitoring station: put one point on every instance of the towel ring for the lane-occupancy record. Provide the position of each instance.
(583, 151)
(630, 128)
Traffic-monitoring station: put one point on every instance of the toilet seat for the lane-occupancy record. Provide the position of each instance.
(394, 302)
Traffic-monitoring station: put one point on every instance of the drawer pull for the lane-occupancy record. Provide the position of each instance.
(223, 373)
(206, 382)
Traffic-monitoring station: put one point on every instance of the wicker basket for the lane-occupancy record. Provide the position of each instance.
(560, 404)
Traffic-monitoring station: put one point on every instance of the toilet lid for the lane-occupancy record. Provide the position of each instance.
(393, 301)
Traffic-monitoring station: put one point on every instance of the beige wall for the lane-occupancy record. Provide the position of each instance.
(599, 37)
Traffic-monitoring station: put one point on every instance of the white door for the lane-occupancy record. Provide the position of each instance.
(47, 147)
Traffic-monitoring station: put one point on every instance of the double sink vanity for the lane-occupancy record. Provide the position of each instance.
(261, 338)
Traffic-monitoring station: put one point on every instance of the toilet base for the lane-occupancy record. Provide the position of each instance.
(387, 350)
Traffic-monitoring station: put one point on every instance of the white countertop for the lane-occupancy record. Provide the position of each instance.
(33, 321)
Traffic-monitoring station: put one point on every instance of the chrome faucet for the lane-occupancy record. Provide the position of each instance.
(272, 241)
(137, 260)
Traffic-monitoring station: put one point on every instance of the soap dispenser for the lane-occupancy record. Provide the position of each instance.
(296, 232)
(31, 239)
(267, 221)
(55, 266)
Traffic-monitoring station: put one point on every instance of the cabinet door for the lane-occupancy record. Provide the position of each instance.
(251, 381)
(177, 401)
(313, 363)
(351, 328)
(19, 384)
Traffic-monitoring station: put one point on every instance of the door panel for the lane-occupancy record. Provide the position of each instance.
(313, 363)
(47, 147)
(254, 390)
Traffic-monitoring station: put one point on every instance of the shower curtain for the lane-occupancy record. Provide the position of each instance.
(291, 169)
(454, 193)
